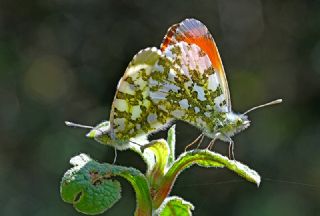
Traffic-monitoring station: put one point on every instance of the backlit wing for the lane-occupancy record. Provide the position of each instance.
(189, 89)
(193, 31)
(133, 112)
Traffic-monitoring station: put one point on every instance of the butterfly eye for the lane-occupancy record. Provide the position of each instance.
(238, 121)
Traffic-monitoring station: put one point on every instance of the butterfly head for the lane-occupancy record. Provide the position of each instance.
(103, 134)
(233, 124)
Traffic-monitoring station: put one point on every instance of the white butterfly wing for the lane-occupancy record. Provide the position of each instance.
(133, 112)
(193, 31)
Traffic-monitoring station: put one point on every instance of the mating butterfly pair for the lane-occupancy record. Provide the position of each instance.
(182, 80)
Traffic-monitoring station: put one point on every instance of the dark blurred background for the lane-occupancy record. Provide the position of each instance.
(61, 60)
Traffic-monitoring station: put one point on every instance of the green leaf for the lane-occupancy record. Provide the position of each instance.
(89, 187)
(175, 206)
(158, 153)
(172, 143)
(81, 187)
(207, 158)
(202, 158)
(160, 150)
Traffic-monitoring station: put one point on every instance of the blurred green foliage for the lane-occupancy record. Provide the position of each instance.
(61, 60)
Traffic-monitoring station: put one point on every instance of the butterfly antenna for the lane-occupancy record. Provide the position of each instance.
(71, 124)
(263, 105)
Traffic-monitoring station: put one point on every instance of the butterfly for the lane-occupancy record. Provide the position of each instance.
(133, 114)
(183, 80)
(196, 90)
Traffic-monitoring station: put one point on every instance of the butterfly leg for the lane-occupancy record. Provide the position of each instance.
(135, 143)
(211, 144)
(201, 139)
(231, 149)
(231, 146)
(142, 147)
(198, 139)
(115, 156)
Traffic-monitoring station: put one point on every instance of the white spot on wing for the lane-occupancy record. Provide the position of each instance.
(171, 75)
(152, 118)
(153, 82)
(178, 113)
(185, 69)
(217, 101)
(136, 112)
(125, 87)
(140, 82)
(168, 53)
(170, 87)
(184, 104)
(193, 56)
(120, 122)
(213, 82)
(158, 68)
(157, 95)
(203, 63)
(121, 105)
(200, 91)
